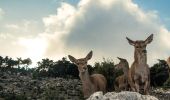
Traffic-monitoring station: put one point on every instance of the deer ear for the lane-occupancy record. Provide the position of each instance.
(149, 39)
(168, 59)
(72, 59)
(119, 58)
(131, 42)
(89, 55)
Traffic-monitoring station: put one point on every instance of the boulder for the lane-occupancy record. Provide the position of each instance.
(125, 95)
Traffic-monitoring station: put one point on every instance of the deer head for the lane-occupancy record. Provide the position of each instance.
(123, 63)
(140, 46)
(82, 62)
(168, 61)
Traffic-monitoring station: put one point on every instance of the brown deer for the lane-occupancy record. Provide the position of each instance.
(91, 83)
(168, 61)
(121, 82)
(139, 73)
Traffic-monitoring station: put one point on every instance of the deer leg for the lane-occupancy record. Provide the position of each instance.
(116, 88)
(133, 89)
(126, 85)
(136, 82)
(137, 86)
(146, 88)
(121, 87)
(131, 83)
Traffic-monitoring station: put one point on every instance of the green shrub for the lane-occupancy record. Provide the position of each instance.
(159, 73)
(106, 67)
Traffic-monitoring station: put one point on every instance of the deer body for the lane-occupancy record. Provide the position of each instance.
(139, 73)
(168, 62)
(121, 82)
(93, 83)
(90, 83)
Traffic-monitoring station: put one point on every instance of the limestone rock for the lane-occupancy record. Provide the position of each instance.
(125, 95)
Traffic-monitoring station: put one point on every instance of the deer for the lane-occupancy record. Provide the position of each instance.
(139, 73)
(90, 83)
(121, 82)
(168, 61)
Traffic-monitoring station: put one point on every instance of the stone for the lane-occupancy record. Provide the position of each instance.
(125, 95)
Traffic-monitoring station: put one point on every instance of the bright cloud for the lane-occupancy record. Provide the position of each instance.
(12, 26)
(35, 47)
(21, 40)
(1, 13)
(25, 28)
(102, 27)
(59, 23)
(90, 25)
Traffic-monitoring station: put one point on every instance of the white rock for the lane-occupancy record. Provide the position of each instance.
(96, 96)
(125, 95)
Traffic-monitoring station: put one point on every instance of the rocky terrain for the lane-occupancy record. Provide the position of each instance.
(20, 87)
(17, 87)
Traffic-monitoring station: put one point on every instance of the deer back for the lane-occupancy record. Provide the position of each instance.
(99, 82)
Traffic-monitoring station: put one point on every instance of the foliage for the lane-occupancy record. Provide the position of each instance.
(159, 73)
(106, 67)
(15, 66)
(167, 83)
(12, 96)
(60, 68)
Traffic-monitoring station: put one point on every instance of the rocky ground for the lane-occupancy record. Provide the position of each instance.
(161, 94)
(19, 87)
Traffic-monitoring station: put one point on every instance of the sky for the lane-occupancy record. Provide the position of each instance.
(56, 28)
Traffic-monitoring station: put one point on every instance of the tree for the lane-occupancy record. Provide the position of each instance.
(45, 64)
(159, 73)
(26, 62)
(1, 61)
(19, 62)
(106, 67)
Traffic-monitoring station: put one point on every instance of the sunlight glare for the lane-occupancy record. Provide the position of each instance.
(35, 48)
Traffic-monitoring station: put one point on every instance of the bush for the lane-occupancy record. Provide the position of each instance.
(159, 73)
(167, 83)
(106, 67)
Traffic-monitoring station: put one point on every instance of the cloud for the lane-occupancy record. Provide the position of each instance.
(22, 39)
(102, 27)
(1, 13)
(12, 26)
(9, 46)
(90, 25)
(34, 47)
(25, 28)
(61, 21)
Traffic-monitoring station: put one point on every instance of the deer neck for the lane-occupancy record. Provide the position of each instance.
(85, 78)
(126, 69)
(140, 58)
